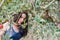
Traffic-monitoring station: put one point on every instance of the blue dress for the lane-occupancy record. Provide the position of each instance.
(12, 35)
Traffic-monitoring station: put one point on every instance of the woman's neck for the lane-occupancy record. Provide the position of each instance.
(15, 27)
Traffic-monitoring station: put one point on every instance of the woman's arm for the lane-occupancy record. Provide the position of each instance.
(2, 32)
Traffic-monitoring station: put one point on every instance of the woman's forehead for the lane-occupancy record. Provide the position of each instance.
(23, 15)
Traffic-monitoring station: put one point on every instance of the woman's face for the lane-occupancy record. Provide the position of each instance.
(22, 18)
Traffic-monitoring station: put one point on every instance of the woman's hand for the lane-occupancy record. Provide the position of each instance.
(1, 26)
(1, 30)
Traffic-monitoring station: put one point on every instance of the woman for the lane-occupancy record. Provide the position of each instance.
(16, 30)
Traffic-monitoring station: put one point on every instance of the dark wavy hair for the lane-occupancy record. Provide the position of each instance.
(17, 17)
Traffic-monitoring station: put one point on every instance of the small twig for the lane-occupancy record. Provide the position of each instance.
(48, 5)
(1, 3)
(33, 26)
